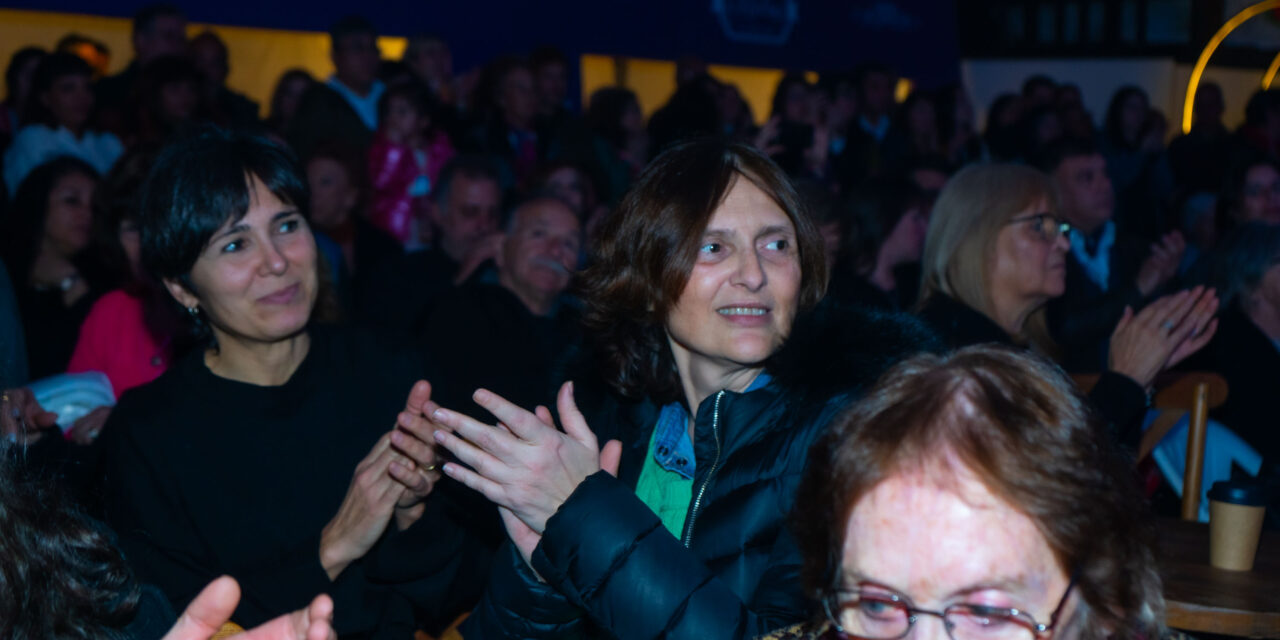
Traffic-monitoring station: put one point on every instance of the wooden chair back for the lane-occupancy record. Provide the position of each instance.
(1178, 394)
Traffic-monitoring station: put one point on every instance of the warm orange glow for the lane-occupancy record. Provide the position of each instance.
(1216, 40)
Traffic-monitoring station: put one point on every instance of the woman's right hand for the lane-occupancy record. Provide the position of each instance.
(365, 511)
(1163, 334)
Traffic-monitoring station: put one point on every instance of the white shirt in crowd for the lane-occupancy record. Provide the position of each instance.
(37, 144)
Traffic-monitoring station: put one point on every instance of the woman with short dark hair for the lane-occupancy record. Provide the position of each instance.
(976, 489)
(236, 460)
(675, 528)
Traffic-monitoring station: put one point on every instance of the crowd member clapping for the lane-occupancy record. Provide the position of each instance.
(237, 459)
(46, 244)
(1107, 269)
(56, 121)
(972, 494)
(699, 278)
(995, 255)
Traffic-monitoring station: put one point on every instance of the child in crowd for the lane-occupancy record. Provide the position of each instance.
(404, 162)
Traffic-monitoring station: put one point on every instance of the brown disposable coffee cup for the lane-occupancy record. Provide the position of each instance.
(1235, 523)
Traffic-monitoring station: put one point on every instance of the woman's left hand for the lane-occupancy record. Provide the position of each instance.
(525, 465)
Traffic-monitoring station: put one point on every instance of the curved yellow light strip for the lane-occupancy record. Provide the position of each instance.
(1271, 72)
(1216, 40)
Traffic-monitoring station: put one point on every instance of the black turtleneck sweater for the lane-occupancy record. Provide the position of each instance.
(208, 476)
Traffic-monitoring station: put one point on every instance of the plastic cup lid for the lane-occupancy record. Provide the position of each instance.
(1240, 492)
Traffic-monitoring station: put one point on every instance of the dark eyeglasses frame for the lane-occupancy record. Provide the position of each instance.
(1038, 630)
(1061, 226)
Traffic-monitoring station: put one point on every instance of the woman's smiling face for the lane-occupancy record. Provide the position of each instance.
(256, 280)
(742, 294)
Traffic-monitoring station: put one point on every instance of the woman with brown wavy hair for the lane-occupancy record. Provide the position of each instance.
(974, 488)
(675, 528)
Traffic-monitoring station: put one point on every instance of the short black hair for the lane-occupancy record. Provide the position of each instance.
(350, 25)
(470, 166)
(1035, 82)
(1052, 156)
(146, 17)
(48, 71)
(415, 92)
(198, 184)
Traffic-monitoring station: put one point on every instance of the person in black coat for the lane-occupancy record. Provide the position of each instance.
(995, 255)
(677, 526)
(267, 454)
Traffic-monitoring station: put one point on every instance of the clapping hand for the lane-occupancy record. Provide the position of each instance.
(213, 607)
(1163, 334)
(393, 479)
(524, 464)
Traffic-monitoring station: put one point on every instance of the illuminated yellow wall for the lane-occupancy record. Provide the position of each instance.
(654, 81)
(257, 56)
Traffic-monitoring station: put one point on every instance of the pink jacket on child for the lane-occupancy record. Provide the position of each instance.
(393, 169)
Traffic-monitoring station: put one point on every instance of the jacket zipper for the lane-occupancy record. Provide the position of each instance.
(697, 502)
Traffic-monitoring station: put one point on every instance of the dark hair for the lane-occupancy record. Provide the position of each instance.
(604, 113)
(779, 102)
(277, 94)
(146, 17)
(1113, 128)
(1031, 84)
(149, 123)
(469, 166)
(1023, 429)
(1262, 102)
(352, 162)
(20, 59)
(24, 225)
(1246, 255)
(200, 183)
(1231, 200)
(1051, 157)
(349, 26)
(647, 250)
(51, 68)
(415, 92)
(873, 210)
(61, 576)
(1003, 139)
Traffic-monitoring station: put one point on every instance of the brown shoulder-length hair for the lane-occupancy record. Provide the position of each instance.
(1017, 423)
(647, 249)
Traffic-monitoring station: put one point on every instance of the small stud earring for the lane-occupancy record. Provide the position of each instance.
(194, 311)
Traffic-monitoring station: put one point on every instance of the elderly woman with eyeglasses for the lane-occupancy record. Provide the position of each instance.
(970, 497)
(995, 254)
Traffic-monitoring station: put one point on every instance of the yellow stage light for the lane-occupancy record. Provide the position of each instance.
(1216, 40)
(1271, 72)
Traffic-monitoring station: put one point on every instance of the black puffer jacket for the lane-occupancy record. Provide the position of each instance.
(613, 570)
